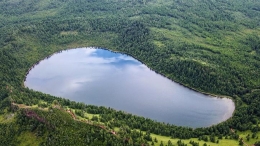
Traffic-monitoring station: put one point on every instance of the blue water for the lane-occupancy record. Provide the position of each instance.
(103, 78)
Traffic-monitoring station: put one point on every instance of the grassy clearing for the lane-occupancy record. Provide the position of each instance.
(116, 129)
(251, 140)
(29, 139)
(90, 116)
(87, 116)
(222, 142)
(164, 139)
(7, 118)
(68, 33)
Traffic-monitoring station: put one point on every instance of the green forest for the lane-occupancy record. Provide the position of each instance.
(211, 46)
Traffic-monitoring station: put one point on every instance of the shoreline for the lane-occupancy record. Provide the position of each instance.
(114, 51)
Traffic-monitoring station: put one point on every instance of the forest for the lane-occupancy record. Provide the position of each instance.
(211, 46)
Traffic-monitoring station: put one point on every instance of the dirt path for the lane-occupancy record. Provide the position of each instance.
(240, 138)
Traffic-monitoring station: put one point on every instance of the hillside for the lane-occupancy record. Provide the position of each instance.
(211, 46)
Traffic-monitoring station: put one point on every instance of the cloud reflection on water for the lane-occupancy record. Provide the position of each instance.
(100, 77)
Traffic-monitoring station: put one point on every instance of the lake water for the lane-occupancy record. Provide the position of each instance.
(103, 78)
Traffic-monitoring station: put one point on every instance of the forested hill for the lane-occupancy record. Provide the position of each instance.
(212, 46)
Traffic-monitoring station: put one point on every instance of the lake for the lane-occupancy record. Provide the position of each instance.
(104, 78)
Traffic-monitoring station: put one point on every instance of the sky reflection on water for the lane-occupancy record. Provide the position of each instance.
(104, 78)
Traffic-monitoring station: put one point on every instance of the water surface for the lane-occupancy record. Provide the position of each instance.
(104, 78)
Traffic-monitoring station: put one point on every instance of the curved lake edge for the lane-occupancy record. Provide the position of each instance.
(210, 95)
(184, 85)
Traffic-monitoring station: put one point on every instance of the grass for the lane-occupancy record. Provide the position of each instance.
(29, 139)
(6, 118)
(117, 129)
(90, 116)
(251, 140)
(68, 33)
(86, 115)
(222, 142)
(164, 139)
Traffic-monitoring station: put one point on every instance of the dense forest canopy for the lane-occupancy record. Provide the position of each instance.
(212, 46)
